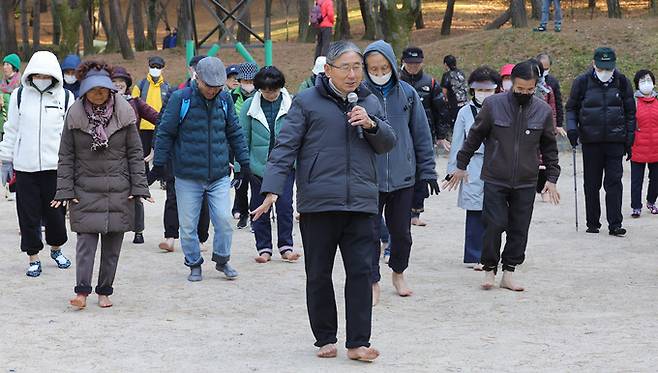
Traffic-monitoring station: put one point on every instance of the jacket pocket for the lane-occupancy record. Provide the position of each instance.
(310, 170)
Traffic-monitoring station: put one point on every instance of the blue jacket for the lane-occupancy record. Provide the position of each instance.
(71, 62)
(199, 145)
(412, 158)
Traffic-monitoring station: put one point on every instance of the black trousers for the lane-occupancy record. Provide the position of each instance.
(241, 202)
(34, 192)
(147, 143)
(396, 207)
(418, 202)
(324, 38)
(171, 215)
(597, 159)
(637, 179)
(510, 211)
(353, 233)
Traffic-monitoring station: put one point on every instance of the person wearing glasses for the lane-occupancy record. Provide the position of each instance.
(198, 140)
(333, 143)
(512, 125)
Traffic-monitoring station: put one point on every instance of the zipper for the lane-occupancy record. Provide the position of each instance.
(519, 116)
(209, 135)
(387, 153)
(605, 114)
(349, 161)
(40, 118)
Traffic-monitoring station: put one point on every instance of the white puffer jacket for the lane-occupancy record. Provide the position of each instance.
(33, 132)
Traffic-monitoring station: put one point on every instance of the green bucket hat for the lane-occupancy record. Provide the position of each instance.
(13, 60)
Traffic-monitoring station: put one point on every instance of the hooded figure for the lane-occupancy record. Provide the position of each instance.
(69, 65)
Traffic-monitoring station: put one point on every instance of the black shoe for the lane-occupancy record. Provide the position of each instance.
(541, 28)
(242, 223)
(592, 230)
(617, 232)
(139, 238)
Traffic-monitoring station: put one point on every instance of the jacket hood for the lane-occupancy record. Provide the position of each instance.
(639, 94)
(71, 62)
(43, 62)
(386, 50)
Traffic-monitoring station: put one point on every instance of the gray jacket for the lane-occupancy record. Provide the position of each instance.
(335, 169)
(412, 158)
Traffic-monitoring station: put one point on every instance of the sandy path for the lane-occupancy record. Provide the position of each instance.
(590, 306)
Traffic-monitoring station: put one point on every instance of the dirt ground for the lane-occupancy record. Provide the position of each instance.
(590, 305)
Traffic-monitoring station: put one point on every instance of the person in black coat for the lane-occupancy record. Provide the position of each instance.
(601, 115)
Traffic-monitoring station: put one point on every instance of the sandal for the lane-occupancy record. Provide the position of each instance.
(59, 258)
(34, 270)
(636, 213)
(652, 207)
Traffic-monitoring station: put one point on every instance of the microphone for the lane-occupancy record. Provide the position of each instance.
(352, 99)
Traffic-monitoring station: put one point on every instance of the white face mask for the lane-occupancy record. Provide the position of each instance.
(155, 72)
(546, 73)
(480, 96)
(247, 87)
(646, 87)
(42, 84)
(381, 80)
(70, 79)
(604, 75)
(507, 85)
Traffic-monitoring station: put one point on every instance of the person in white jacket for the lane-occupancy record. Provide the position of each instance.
(30, 146)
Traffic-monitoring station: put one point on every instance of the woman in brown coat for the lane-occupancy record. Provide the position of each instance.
(100, 173)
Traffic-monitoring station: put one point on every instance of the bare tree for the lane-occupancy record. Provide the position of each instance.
(369, 14)
(87, 31)
(138, 26)
(112, 40)
(244, 36)
(397, 22)
(57, 28)
(286, 5)
(420, 22)
(119, 29)
(25, 27)
(516, 13)
(536, 6)
(342, 20)
(447, 18)
(36, 24)
(653, 7)
(614, 9)
(306, 32)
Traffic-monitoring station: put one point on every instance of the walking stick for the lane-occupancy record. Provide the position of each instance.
(575, 184)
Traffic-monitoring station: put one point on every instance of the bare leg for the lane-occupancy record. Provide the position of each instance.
(401, 285)
(366, 354)
(508, 283)
(376, 292)
(489, 279)
(327, 351)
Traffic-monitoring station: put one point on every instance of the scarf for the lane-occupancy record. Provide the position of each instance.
(99, 117)
(8, 86)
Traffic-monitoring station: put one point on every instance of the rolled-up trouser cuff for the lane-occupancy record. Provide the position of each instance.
(487, 268)
(266, 250)
(357, 344)
(325, 342)
(104, 290)
(508, 268)
(195, 264)
(221, 260)
(32, 251)
(82, 290)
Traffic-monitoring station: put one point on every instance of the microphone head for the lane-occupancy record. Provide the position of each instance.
(352, 98)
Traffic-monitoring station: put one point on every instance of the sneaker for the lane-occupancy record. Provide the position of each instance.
(617, 232)
(242, 223)
(652, 207)
(60, 259)
(34, 270)
(229, 271)
(592, 230)
(387, 254)
(195, 274)
(636, 213)
(558, 28)
(139, 238)
(541, 28)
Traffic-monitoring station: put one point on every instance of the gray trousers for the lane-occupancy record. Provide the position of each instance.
(85, 254)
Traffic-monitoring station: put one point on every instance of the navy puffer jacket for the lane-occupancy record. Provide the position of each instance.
(199, 145)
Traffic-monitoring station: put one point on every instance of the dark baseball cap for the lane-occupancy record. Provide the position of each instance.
(605, 58)
(412, 55)
(232, 70)
(156, 60)
(195, 60)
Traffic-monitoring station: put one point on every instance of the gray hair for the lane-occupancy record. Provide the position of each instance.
(544, 56)
(340, 47)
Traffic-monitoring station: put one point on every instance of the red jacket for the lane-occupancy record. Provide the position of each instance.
(645, 146)
(327, 8)
(144, 110)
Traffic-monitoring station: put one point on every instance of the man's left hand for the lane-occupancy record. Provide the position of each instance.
(432, 187)
(553, 194)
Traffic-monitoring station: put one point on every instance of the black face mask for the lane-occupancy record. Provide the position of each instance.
(523, 98)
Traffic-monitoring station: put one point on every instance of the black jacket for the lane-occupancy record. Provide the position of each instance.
(559, 105)
(602, 113)
(335, 170)
(513, 136)
(431, 95)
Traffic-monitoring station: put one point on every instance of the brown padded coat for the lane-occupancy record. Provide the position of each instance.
(101, 180)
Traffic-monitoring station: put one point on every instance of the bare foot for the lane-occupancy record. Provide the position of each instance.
(508, 283)
(366, 354)
(291, 256)
(418, 222)
(376, 292)
(478, 267)
(327, 351)
(79, 301)
(263, 258)
(167, 245)
(401, 285)
(104, 301)
(489, 279)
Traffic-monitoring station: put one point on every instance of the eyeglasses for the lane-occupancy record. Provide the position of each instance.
(156, 66)
(345, 69)
(526, 91)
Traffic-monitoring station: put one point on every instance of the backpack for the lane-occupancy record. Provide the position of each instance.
(458, 85)
(187, 98)
(315, 15)
(19, 97)
(144, 90)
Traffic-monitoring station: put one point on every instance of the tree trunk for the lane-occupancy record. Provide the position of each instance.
(447, 18)
(25, 27)
(119, 29)
(653, 7)
(138, 27)
(8, 43)
(243, 34)
(342, 20)
(536, 9)
(518, 13)
(397, 22)
(36, 24)
(112, 41)
(420, 22)
(369, 14)
(152, 24)
(87, 31)
(57, 28)
(306, 33)
(614, 9)
(499, 22)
